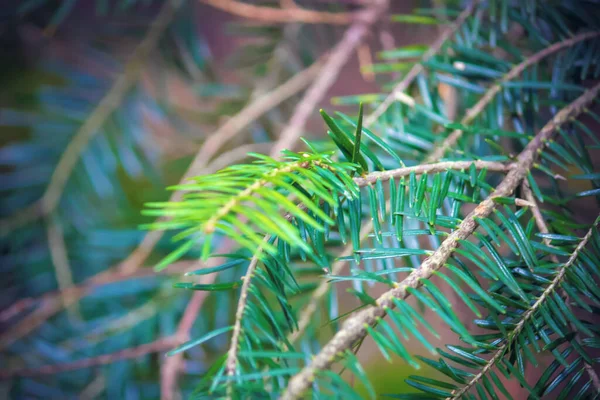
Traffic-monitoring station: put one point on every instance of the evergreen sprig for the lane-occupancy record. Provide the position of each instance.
(441, 209)
(245, 202)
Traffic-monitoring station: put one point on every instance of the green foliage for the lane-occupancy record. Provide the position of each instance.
(226, 203)
(502, 291)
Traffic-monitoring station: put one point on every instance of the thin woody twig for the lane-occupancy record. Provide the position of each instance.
(231, 362)
(172, 365)
(543, 228)
(352, 38)
(355, 327)
(225, 133)
(473, 112)
(418, 68)
(383, 176)
(68, 160)
(51, 303)
(282, 15)
(60, 262)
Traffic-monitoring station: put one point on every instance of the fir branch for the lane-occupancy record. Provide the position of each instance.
(355, 327)
(384, 176)
(490, 94)
(543, 228)
(231, 128)
(110, 102)
(231, 361)
(528, 314)
(352, 38)
(419, 68)
(366, 228)
(283, 15)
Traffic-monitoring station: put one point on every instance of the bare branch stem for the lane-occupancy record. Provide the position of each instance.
(490, 94)
(231, 362)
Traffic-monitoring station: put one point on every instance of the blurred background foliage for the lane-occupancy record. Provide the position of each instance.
(104, 103)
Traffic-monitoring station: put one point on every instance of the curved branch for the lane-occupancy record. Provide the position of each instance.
(355, 328)
(473, 112)
(282, 15)
(305, 317)
(527, 315)
(91, 127)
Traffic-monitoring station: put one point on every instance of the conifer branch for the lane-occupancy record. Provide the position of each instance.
(51, 303)
(213, 144)
(369, 179)
(527, 315)
(172, 365)
(283, 15)
(543, 228)
(490, 94)
(93, 124)
(472, 114)
(235, 125)
(339, 56)
(355, 327)
(419, 68)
